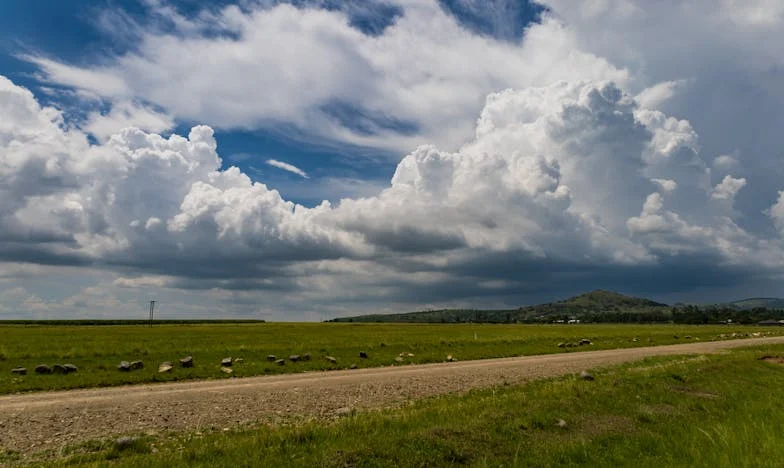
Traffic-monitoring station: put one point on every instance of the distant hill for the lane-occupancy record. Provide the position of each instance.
(755, 303)
(603, 299)
(596, 305)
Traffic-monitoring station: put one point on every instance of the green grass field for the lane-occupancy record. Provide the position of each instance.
(97, 350)
(697, 411)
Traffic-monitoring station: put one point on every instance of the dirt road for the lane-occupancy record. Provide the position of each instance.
(40, 421)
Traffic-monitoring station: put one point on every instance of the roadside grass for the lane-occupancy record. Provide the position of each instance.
(97, 350)
(712, 411)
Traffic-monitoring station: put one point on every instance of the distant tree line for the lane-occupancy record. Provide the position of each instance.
(592, 314)
(123, 322)
(696, 315)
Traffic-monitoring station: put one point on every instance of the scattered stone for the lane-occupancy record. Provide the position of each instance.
(226, 362)
(585, 341)
(136, 365)
(239, 360)
(343, 411)
(635, 340)
(363, 355)
(352, 366)
(294, 358)
(124, 366)
(450, 359)
(331, 359)
(59, 369)
(585, 375)
(562, 345)
(675, 337)
(561, 423)
(187, 361)
(19, 371)
(165, 367)
(124, 442)
(226, 370)
(688, 337)
(272, 358)
(399, 359)
(43, 369)
(410, 354)
(70, 368)
(280, 362)
(306, 357)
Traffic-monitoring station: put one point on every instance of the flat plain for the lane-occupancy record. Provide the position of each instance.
(671, 405)
(98, 350)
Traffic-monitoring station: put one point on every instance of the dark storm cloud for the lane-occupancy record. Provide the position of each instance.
(40, 254)
(410, 239)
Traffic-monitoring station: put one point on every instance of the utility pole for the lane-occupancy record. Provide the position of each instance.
(152, 311)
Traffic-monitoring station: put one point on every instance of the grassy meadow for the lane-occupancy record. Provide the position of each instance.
(97, 350)
(719, 410)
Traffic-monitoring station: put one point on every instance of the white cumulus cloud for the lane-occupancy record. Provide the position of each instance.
(407, 86)
(728, 187)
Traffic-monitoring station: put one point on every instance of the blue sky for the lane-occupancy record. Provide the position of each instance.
(300, 160)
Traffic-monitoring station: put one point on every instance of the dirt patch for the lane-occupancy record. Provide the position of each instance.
(773, 359)
(597, 425)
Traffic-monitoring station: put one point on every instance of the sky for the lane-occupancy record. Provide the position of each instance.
(311, 159)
